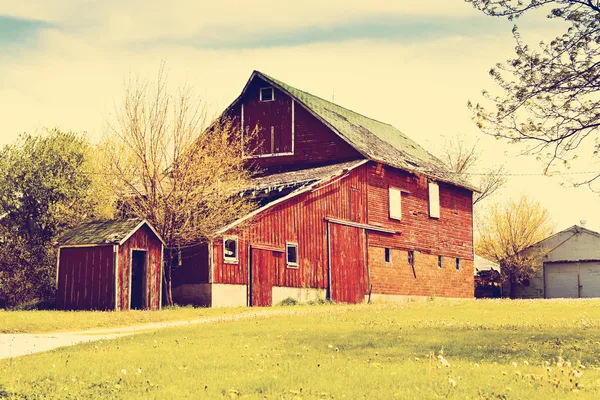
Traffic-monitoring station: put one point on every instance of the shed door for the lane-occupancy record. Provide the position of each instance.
(263, 265)
(589, 279)
(562, 280)
(347, 246)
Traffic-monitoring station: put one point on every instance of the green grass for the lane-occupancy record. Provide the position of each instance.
(61, 321)
(341, 352)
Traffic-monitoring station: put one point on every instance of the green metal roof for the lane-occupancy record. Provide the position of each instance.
(376, 140)
(102, 232)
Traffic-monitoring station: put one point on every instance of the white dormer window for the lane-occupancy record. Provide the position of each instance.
(267, 94)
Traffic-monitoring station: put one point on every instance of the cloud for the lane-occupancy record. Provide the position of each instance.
(15, 30)
(397, 28)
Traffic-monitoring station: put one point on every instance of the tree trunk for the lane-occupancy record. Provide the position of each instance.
(167, 281)
(513, 289)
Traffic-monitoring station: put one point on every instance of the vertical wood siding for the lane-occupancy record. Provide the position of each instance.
(143, 239)
(86, 278)
(314, 143)
(348, 263)
(301, 219)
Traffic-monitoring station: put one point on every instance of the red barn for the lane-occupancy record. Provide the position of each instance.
(110, 265)
(351, 210)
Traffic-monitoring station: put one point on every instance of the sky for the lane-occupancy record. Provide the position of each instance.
(64, 63)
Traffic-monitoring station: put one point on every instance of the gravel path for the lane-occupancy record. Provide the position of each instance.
(16, 345)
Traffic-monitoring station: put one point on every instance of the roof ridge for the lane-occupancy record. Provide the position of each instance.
(320, 98)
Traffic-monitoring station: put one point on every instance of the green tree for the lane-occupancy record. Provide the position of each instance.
(550, 96)
(46, 186)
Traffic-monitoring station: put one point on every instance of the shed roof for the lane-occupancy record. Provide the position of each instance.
(104, 232)
(483, 264)
(374, 139)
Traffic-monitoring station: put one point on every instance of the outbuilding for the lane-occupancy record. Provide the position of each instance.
(110, 265)
(569, 266)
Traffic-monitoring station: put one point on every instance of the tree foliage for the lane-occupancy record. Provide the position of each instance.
(506, 234)
(461, 158)
(46, 186)
(551, 96)
(165, 165)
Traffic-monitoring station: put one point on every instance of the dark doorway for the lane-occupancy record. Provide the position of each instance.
(138, 279)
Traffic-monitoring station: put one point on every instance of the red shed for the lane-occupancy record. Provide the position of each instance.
(110, 265)
(348, 208)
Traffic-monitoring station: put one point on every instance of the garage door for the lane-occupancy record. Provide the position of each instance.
(589, 277)
(572, 280)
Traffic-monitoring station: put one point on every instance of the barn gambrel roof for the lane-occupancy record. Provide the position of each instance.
(375, 140)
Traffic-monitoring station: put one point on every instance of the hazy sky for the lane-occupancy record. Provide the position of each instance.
(63, 64)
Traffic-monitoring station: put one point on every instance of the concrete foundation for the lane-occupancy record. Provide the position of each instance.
(302, 295)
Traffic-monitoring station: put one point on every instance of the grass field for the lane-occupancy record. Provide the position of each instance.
(61, 321)
(439, 349)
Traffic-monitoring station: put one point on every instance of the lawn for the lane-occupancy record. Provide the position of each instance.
(57, 321)
(440, 349)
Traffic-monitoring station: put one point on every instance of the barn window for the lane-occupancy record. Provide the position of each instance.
(411, 257)
(440, 261)
(395, 203)
(230, 249)
(434, 200)
(291, 255)
(458, 263)
(267, 94)
(388, 255)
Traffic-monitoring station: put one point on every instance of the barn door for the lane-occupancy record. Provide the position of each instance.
(138, 280)
(348, 280)
(263, 266)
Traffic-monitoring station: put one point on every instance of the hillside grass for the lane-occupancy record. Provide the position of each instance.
(441, 349)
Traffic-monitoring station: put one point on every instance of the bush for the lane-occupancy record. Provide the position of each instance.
(35, 305)
(289, 301)
(320, 302)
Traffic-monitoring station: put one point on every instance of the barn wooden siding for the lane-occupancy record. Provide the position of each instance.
(142, 239)
(300, 219)
(314, 143)
(450, 235)
(86, 278)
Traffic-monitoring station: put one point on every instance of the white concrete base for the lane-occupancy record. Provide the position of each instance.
(302, 295)
(226, 295)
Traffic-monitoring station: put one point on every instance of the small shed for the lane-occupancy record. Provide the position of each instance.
(110, 265)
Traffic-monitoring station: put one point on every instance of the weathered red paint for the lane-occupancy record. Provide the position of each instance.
(264, 264)
(314, 143)
(86, 278)
(301, 219)
(348, 263)
(86, 275)
(142, 239)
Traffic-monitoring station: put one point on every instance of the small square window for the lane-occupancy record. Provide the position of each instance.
(440, 261)
(291, 255)
(411, 257)
(388, 255)
(230, 250)
(458, 263)
(267, 94)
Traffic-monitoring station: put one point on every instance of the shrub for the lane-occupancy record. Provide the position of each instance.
(289, 301)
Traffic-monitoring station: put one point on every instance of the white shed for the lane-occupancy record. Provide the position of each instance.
(570, 269)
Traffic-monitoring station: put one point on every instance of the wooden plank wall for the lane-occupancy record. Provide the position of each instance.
(86, 278)
(301, 219)
(143, 239)
(314, 143)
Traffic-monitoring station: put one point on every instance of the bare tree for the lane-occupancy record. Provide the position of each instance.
(506, 235)
(461, 158)
(166, 165)
(549, 93)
